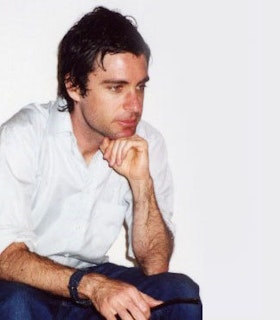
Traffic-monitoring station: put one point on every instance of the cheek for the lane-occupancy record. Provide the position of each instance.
(103, 108)
(101, 116)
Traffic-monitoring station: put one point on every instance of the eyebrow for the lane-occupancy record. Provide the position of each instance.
(114, 81)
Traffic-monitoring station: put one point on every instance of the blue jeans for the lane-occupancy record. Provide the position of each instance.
(22, 302)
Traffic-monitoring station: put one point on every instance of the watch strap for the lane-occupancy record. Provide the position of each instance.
(73, 286)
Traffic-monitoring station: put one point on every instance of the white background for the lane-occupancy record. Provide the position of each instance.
(213, 94)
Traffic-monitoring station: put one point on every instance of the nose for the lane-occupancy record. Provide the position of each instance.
(134, 102)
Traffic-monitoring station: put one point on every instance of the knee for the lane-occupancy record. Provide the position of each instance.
(176, 285)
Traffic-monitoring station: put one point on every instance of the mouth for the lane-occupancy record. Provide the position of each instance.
(128, 122)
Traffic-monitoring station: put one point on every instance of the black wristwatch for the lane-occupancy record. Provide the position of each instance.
(73, 286)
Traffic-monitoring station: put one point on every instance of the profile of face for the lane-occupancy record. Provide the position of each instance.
(113, 104)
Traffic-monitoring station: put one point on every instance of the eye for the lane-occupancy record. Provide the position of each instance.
(141, 87)
(115, 88)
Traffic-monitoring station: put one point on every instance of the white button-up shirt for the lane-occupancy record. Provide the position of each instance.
(54, 202)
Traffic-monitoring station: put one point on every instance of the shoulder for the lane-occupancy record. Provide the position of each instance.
(29, 116)
(28, 122)
(154, 137)
(158, 153)
(21, 135)
(149, 133)
(20, 140)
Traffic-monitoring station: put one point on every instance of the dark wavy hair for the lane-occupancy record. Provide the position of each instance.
(84, 46)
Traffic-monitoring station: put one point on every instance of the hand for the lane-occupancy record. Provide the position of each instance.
(127, 156)
(114, 298)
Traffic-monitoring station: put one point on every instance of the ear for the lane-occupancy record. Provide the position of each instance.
(72, 90)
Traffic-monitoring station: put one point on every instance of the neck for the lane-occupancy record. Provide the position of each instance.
(88, 141)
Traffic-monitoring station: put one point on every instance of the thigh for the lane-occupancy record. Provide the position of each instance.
(19, 301)
(22, 302)
(164, 286)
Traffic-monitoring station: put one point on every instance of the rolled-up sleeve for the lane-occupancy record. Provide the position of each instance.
(16, 181)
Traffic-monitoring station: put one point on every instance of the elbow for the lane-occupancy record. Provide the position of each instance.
(154, 271)
(151, 269)
(8, 258)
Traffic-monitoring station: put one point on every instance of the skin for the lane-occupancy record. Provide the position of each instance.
(114, 102)
(106, 119)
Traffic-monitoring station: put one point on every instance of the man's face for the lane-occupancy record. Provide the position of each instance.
(113, 104)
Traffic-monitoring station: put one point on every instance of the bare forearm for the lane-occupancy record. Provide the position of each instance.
(109, 296)
(152, 240)
(17, 263)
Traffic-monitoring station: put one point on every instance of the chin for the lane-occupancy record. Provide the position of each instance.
(124, 134)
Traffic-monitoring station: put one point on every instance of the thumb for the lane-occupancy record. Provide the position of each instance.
(104, 145)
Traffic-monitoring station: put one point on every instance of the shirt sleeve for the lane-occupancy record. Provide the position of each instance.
(16, 181)
(162, 179)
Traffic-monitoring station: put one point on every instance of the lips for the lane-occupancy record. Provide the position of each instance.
(128, 122)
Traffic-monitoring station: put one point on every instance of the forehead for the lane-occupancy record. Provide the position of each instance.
(122, 65)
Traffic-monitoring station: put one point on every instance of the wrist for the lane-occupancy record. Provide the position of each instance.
(74, 283)
(90, 285)
(141, 189)
(145, 181)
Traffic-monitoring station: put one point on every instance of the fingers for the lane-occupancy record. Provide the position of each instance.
(126, 303)
(151, 301)
(127, 310)
(133, 314)
(128, 156)
(115, 151)
(138, 306)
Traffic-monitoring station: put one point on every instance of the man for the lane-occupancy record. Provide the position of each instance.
(72, 172)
